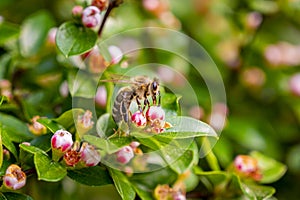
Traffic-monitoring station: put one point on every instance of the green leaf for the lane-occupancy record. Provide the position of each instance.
(8, 31)
(1, 147)
(16, 130)
(42, 142)
(34, 31)
(272, 170)
(170, 104)
(14, 196)
(109, 145)
(74, 39)
(92, 176)
(68, 118)
(258, 192)
(122, 184)
(49, 124)
(105, 125)
(8, 143)
(186, 160)
(47, 169)
(31, 149)
(187, 127)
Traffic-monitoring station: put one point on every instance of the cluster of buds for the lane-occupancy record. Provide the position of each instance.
(165, 192)
(154, 118)
(90, 16)
(63, 146)
(247, 167)
(14, 177)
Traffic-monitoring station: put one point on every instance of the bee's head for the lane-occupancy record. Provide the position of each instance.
(155, 86)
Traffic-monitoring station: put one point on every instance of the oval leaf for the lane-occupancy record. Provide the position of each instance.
(122, 184)
(15, 129)
(271, 169)
(8, 31)
(92, 176)
(34, 31)
(47, 169)
(74, 39)
(187, 127)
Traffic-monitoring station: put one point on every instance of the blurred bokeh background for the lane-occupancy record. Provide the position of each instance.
(254, 43)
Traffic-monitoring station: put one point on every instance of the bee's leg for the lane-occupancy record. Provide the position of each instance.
(139, 104)
(159, 98)
(146, 102)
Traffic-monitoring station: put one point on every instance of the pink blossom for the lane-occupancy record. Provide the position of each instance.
(14, 177)
(62, 140)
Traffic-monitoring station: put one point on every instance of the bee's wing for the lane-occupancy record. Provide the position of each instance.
(117, 78)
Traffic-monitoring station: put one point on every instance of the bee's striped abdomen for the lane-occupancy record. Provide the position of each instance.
(121, 106)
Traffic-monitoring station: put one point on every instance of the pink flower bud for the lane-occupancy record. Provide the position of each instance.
(247, 166)
(115, 53)
(125, 154)
(139, 119)
(51, 36)
(294, 84)
(101, 96)
(91, 17)
(89, 155)
(14, 177)
(62, 140)
(155, 112)
(72, 157)
(77, 11)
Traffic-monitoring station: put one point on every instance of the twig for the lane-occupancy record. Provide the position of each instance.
(112, 4)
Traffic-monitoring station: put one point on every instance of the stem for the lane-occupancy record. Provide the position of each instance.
(210, 157)
(112, 4)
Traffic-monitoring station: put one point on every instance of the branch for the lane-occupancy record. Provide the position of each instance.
(112, 4)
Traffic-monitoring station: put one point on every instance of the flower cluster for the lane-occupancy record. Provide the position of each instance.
(154, 119)
(72, 153)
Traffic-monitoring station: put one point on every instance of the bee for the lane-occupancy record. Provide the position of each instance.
(140, 89)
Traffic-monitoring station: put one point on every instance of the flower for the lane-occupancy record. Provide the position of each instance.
(155, 112)
(91, 17)
(139, 119)
(62, 140)
(89, 155)
(14, 177)
(72, 157)
(36, 127)
(84, 122)
(247, 167)
(125, 154)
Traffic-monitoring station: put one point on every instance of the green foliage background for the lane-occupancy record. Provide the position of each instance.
(264, 118)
